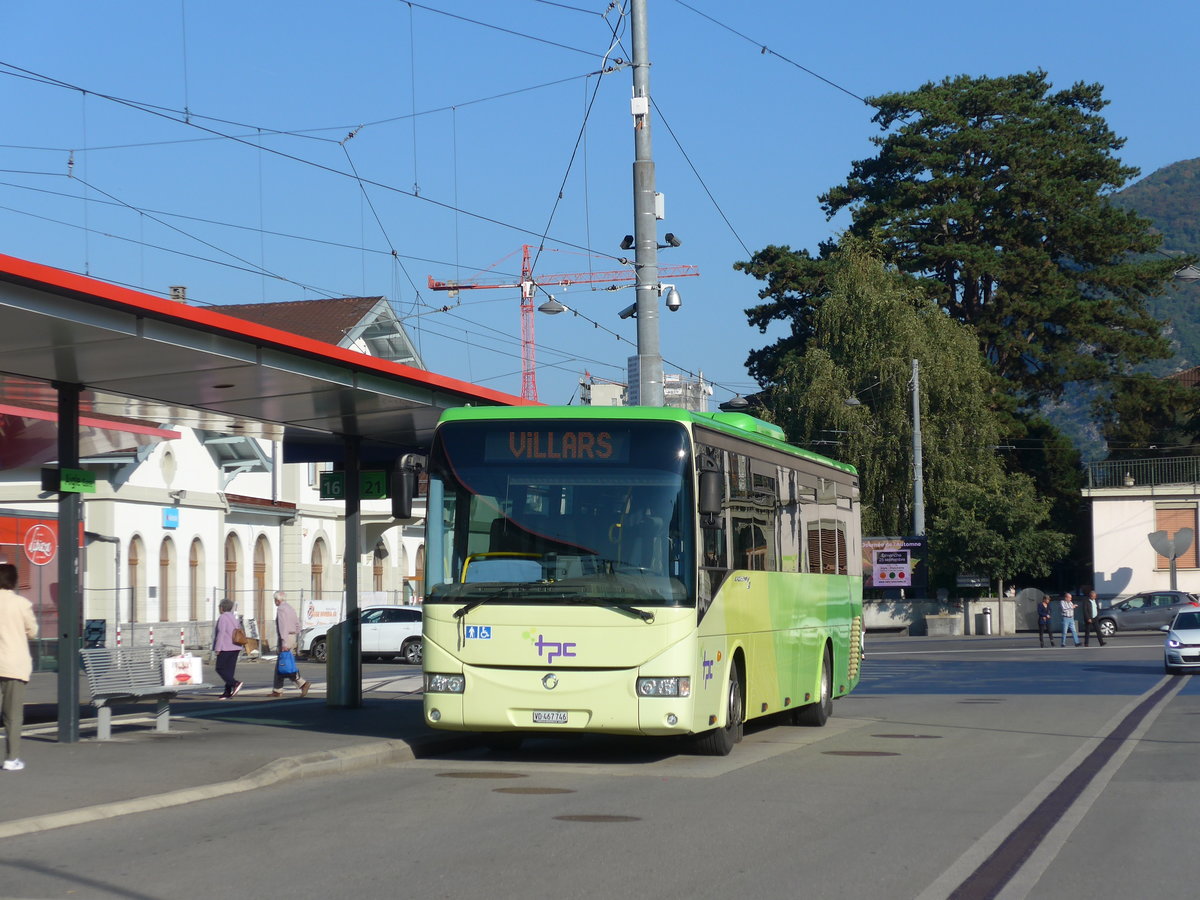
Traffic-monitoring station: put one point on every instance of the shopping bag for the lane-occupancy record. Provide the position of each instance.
(287, 663)
(180, 670)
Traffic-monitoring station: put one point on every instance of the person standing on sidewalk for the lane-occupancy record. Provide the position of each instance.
(287, 627)
(17, 628)
(227, 651)
(1045, 635)
(1091, 610)
(1067, 605)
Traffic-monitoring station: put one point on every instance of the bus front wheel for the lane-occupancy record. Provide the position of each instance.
(720, 741)
(817, 714)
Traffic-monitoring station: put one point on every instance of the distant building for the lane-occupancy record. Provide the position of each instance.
(595, 391)
(678, 391)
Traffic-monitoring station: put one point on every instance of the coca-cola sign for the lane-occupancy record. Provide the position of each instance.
(41, 545)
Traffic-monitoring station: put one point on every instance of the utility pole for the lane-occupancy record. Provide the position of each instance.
(918, 464)
(645, 228)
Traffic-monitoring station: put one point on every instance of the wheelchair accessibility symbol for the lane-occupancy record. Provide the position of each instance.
(479, 632)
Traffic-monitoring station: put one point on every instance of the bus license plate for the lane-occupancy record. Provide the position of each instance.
(549, 717)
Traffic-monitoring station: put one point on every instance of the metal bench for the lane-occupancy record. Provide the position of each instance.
(127, 673)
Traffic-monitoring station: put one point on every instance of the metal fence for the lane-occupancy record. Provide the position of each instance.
(1144, 472)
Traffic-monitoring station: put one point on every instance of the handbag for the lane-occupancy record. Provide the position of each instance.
(239, 637)
(287, 663)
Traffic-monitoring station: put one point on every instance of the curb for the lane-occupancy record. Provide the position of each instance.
(290, 768)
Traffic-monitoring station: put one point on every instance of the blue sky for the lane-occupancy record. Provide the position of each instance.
(205, 143)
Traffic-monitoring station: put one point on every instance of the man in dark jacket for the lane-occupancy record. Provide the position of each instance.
(1091, 610)
(1043, 616)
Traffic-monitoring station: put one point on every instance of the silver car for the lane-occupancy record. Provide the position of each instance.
(1148, 610)
(1181, 652)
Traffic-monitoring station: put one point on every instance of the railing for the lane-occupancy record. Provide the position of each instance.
(1143, 472)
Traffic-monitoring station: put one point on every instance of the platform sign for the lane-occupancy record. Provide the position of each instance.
(68, 481)
(372, 485)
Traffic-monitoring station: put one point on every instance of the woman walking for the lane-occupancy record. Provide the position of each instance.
(17, 628)
(227, 651)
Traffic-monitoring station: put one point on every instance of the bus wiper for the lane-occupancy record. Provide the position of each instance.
(642, 614)
(495, 595)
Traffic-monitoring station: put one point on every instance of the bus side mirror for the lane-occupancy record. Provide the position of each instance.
(403, 485)
(711, 495)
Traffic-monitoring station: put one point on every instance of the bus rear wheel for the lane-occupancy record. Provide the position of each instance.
(817, 714)
(720, 741)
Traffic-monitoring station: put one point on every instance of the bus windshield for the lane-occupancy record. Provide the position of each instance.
(564, 512)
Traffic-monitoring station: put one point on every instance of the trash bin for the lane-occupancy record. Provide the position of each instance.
(94, 631)
(343, 674)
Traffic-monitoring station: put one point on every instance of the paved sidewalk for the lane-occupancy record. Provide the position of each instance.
(214, 747)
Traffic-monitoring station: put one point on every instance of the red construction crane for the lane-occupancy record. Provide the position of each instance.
(529, 284)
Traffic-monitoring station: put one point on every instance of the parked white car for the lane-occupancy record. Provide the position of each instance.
(387, 632)
(1181, 652)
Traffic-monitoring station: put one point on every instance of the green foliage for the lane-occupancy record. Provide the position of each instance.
(871, 323)
(795, 285)
(997, 190)
(996, 524)
(1151, 417)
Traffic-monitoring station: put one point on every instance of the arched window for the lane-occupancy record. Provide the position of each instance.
(377, 557)
(166, 579)
(232, 552)
(137, 581)
(263, 611)
(196, 581)
(317, 575)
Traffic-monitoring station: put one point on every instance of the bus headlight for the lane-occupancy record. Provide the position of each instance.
(436, 683)
(674, 686)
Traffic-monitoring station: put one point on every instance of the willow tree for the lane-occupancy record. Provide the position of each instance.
(871, 323)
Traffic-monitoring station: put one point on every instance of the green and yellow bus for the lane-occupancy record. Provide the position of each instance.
(635, 570)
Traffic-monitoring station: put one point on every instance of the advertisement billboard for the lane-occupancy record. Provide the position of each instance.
(895, 564)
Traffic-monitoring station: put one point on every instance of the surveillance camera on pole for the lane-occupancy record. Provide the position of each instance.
(671, 298)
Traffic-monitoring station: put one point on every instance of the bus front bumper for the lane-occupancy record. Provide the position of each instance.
(557, 701)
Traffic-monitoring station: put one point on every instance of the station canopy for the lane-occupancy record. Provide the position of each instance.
(145, 363)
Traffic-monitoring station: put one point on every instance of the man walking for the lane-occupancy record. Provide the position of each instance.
(1067, 605)
(1091, 609)
(17, 628)
(287, 628)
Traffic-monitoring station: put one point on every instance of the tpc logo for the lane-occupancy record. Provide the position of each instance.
(553, 649)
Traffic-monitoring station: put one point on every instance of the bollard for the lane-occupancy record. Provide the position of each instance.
(987, 620)
(118, 634)
(151, 635)
(182, 645)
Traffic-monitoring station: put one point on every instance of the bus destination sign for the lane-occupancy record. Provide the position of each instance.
(557, 445)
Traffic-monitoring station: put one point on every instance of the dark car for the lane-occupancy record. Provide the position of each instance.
(1149, 610)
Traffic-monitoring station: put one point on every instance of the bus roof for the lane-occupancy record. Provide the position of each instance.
(734, 423)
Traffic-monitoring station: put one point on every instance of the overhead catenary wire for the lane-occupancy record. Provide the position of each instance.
(320, 166)
(765, 50)
(363, 185)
